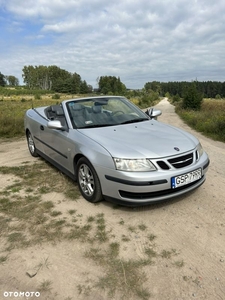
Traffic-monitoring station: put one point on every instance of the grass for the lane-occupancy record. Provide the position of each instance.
(151, 237)
(101, 233)
(125, 238)
(121, 222)
(72, 211)
(45, 286)
(12, 115)
(3, 259)
(179, 263)
(34, 220)
(55, 213)
(90, 219)
(14, 106)
(150, 252)
(42, 178)
(168, 253)
(123, 276)
(210, 120)
(80, 233)
(142, 227)
(43, 264)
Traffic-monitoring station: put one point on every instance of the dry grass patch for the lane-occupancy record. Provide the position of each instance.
(210, 120)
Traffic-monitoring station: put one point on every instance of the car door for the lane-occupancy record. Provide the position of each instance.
(56, 143)
(57, 146)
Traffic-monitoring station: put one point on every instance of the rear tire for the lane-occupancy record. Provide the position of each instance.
(31, 145)
(88, 181)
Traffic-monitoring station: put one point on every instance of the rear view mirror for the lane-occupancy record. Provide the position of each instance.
(153, 113)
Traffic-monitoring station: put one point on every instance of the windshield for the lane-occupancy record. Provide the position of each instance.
(107, 111)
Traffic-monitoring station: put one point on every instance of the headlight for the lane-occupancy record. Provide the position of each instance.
(199, 150)
(134, 165)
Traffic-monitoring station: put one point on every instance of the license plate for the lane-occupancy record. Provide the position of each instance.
(186, 178)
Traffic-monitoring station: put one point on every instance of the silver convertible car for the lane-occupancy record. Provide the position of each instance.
(115, 151)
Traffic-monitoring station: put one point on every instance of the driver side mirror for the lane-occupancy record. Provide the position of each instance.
(153, 113)
(56, 124)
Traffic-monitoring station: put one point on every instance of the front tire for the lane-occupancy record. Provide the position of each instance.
(31, 145)
(88, 181)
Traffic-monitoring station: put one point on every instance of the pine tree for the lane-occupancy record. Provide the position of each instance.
(192, 99)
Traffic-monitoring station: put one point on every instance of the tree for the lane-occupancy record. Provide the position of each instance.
(75, 83)
(51, 78)
(84, 89)
(2, 80)
(153, 86)
(111, 85)
(12, 80)
(90, 88)
(192, 99)
(29, 76)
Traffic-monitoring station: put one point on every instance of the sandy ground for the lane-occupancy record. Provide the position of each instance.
(193, 225)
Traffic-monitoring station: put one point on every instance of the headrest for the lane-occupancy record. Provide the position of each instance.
(97, 108)
(77, 106)
(57, 109)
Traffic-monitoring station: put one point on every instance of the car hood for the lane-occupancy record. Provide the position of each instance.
(150, 139)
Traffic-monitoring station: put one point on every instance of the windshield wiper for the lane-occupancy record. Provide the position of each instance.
(134, 121)
(95, 126)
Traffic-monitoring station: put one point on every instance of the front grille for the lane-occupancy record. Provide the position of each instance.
(163, 165)
(181, 161)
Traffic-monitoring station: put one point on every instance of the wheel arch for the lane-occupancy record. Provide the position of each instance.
(27, 131)
(93, 156)
(76, 159)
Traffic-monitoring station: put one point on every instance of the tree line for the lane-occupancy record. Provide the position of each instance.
(208, 89)
(53, 78)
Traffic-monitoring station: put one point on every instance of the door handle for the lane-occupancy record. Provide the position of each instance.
(42, 127)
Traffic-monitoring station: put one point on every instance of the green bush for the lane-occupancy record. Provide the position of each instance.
(192, 99)
(148, 99)
(176, 98)
(167, 95)
(56, 96)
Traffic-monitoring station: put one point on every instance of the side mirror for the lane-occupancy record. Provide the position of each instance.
(56, 124)
(153, 113)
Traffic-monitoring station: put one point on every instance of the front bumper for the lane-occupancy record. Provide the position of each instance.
(142, 188)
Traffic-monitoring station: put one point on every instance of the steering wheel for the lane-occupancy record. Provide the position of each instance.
(117, 112)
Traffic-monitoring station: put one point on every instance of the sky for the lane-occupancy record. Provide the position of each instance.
(137, 40)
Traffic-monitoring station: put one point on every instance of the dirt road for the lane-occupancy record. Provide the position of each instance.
(190, 231)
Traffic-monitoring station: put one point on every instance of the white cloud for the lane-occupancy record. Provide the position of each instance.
(139, 41)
